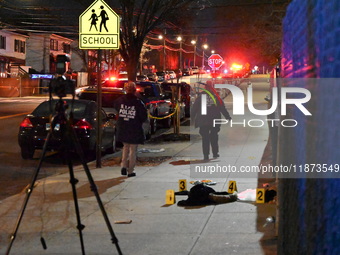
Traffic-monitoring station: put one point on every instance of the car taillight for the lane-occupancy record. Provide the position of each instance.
(82, 124)
(26, 123)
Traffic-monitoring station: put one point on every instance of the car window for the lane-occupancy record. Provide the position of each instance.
(108, 99)
(46, 108)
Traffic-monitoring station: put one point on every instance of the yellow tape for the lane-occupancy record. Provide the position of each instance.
(162, 118)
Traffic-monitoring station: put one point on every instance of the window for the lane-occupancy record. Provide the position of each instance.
(19, 46)
(2, 42)
(66, 48)
(53, 44)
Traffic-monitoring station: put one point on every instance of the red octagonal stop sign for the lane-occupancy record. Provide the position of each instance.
(215, 61)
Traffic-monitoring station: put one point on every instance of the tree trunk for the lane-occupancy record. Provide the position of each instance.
(132, 64)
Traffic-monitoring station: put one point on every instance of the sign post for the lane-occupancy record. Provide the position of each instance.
(99, 29)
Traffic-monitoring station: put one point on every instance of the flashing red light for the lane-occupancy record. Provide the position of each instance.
(235, 66)
(82, 124)
(26, 123)
(110, 78)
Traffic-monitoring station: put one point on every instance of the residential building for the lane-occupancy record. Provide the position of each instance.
(13, 50)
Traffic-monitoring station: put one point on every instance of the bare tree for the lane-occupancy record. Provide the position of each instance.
(138, 18)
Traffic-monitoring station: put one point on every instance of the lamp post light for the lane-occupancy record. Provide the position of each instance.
(205, 46)
(193, 42)
(160, 37)
(212, 52)
(179, 38)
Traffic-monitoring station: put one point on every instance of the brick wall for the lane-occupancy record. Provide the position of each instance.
(309, 209)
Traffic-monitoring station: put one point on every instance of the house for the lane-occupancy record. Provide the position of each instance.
(13, 50)
(45, 51)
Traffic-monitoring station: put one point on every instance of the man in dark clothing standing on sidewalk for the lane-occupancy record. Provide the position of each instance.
(204, 118)
(131, 115)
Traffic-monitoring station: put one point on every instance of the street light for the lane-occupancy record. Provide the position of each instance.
(160, 37)
(205, 46)
(193, 42)
(179, 38)
(212, 52)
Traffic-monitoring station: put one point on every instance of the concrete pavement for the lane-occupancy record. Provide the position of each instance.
(155, 228)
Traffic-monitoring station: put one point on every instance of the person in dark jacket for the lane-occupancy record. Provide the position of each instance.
(131, 115)
(205, 121)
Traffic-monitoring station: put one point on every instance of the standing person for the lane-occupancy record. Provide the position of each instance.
(131, 115)
(205, 122)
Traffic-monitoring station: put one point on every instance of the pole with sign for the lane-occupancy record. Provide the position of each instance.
(99, 29)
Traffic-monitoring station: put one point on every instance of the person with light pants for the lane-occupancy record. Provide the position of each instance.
(131, 115)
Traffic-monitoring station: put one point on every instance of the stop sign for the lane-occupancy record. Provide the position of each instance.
(215, 61)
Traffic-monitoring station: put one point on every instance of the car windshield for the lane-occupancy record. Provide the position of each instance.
(146, 91)
(47, 108)
(160, 73)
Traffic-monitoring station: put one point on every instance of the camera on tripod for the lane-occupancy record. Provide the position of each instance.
(62, 87)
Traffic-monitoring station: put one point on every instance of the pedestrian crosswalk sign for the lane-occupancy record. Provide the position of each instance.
(99, 27)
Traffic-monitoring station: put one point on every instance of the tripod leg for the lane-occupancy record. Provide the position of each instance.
(28, 194)
(73, 182)
(95, 190)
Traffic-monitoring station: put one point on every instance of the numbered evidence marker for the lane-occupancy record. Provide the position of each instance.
(182, 184)
(232, 187)
(260, 193)
(170, 197)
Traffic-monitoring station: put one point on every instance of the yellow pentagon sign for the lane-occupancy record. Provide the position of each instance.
(99, 27)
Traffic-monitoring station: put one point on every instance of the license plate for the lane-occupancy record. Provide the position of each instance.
(56, 128)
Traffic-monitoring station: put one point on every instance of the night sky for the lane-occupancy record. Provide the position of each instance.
(232, 28)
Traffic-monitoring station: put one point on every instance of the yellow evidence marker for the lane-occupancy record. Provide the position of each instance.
(232, 187)
(182, 184)
(170, 197)
(260, 196)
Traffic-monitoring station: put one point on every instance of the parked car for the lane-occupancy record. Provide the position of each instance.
(195, 70)
(142, 78)
(109, 96)
(187, 71)
(159, 106)
(163, 76)
(152, 77)
(168, 89)
(123, 77)
(172, 74)
(187, 93)
(35, 127)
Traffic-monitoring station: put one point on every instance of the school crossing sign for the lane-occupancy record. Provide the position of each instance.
(99, 27)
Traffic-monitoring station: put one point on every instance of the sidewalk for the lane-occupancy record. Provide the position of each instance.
(156, 228)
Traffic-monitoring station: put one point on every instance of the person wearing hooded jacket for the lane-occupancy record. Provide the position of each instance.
(131, 115)
(215, 109)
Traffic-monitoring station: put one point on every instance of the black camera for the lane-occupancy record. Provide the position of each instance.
(62, 87)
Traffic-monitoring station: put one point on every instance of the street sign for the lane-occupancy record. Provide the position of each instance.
(215, 61)
(99, 27)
